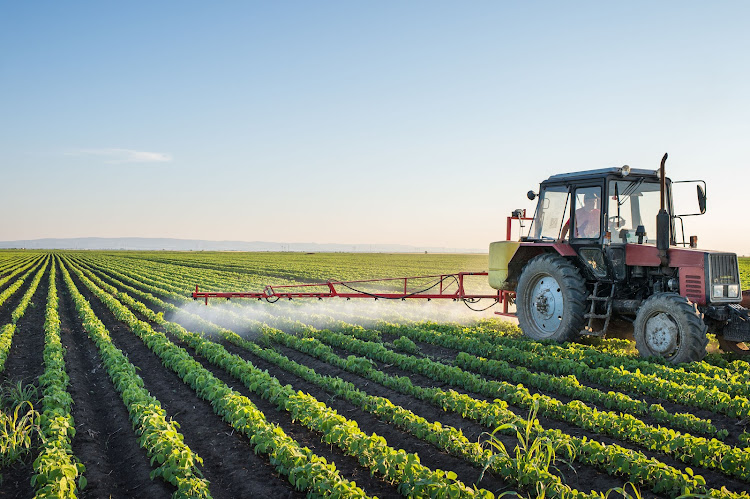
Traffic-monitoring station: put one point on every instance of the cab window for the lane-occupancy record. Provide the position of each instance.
(633, 204)
(588, 215)
(551, 213)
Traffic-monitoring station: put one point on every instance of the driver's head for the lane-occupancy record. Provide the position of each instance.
(590, 199)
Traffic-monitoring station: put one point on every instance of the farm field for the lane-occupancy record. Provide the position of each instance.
(143, 392)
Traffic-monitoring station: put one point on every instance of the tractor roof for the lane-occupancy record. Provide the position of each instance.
(602, 172)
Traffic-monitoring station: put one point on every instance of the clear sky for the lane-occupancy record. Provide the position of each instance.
(419, 122)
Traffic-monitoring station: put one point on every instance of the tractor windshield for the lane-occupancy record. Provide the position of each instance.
(633, 203)
(550, 213)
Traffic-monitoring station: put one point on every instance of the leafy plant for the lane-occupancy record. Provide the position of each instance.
(634, 492)
(177, 463)
(534, 451)
(14, 394)
(16, 431)
(405, 345)
(305, 469)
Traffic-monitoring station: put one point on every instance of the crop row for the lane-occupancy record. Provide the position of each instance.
(56, 469)
(611, 458)
(11, 290)
(687, 448)
(18, 268)
(440, 435)
(370, 449)
(305, 470)
(678, 484)
(693, 374)
(164, 444)
(557, 407)
(319, 267)
(215, 280)
(571, 387)
(558, 361)
(7, 331)
(561, 382)
(8, 267)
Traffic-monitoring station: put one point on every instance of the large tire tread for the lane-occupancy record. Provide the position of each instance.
(693, 343)
(575, 302)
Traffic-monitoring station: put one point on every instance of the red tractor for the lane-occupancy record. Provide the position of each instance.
(602, 246)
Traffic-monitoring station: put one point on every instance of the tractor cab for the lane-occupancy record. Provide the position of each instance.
(599, 212)
(612, 205)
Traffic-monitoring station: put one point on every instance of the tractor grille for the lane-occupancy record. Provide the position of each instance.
(723, 269)
(723, 284)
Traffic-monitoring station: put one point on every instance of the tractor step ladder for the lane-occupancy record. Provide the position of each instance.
(591, 314)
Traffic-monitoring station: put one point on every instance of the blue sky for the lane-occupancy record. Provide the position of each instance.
(420, 123)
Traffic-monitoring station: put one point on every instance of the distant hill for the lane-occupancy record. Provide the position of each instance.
(145, 244)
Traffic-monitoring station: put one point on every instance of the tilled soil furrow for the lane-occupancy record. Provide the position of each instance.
(582, 477)
(229, 463)
(104, 442)
(25, 361)
(714, 479)
(429, 455)
(721, 421)
(25, 364)
(10, 282)
(347, 466)
(7, 308)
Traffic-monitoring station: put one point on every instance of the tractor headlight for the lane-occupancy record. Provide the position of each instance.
(733, 291)
(718, 291)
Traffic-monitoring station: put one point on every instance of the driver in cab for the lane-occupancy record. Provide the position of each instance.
(588, 218)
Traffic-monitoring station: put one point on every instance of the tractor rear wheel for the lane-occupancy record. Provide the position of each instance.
(550, 299)
(669, 326)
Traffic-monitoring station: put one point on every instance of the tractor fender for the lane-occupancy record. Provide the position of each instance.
(508, 258)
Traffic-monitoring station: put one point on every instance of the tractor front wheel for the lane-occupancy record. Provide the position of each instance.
(669, 326)
(550, 299)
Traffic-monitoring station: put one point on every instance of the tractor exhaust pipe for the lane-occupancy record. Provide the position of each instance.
(662, 219)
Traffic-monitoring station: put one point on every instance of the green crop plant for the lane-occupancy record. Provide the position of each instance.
(533, 451)
(172, 459)
(305, 470)
(17, 429)
(634, 493)
(14, 394)
(483, 372)
(405, 345)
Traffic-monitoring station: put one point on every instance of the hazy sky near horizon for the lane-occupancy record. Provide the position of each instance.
(420, 123)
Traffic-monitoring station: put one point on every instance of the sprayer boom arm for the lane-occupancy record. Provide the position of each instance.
(442, 288)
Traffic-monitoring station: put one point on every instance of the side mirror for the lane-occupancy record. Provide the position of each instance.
(532, 195)
(701, 199)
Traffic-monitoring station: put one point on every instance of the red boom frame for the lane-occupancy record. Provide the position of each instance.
(273, 293)
(291, 291)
